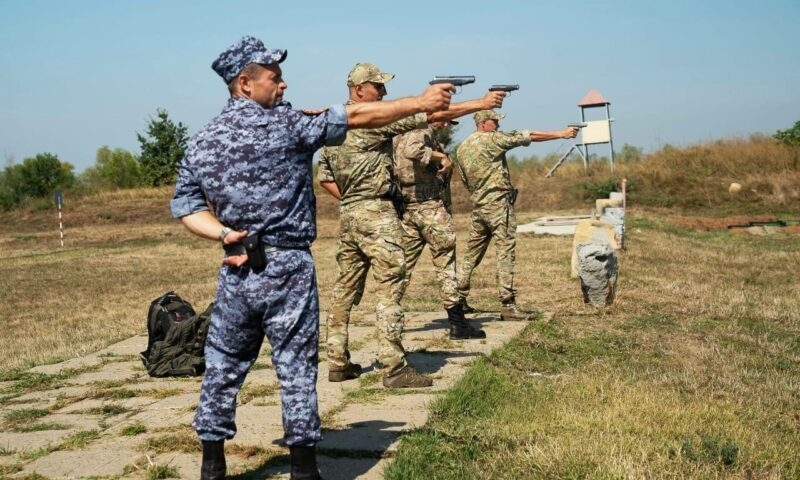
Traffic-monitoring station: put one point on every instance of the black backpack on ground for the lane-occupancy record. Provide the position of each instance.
(176, 336)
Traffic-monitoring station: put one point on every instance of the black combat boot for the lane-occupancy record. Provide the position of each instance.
(304, 463)
(460, 329)
(213, 460)
(467, 308)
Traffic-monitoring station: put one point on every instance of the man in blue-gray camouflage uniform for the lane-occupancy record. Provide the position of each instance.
(246, 181)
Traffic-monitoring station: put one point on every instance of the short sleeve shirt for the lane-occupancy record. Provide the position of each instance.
(252, 166)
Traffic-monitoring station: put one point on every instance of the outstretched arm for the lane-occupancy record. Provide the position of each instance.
(538, 136)
(379, 114)
(487, 102)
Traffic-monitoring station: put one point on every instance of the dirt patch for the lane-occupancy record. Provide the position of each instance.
(708, 224)
(741, 224)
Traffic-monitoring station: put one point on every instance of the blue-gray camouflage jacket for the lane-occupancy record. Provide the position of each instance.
(252, 166)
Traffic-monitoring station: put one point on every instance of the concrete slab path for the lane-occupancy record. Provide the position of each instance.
(102, 416)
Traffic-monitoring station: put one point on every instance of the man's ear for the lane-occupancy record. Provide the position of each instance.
(244, 83)
(359, 89)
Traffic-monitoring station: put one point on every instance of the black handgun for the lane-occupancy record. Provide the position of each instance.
(577, 125)
(504, 88)
(457, 80)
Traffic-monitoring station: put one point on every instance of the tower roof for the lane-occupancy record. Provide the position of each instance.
(593, 99)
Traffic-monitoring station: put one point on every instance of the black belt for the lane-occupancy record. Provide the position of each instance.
(239, 249)
(255, 249)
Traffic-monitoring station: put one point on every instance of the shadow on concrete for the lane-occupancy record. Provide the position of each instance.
(481, 318)
(427, 361)
(343, 454)
(443, 324)
(431, 361)
(428, 327)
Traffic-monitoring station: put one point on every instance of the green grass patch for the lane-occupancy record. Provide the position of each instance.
(161, 471)
(30, 455)
(708, 448)
(366, 395)
(116, 394)
(180, 439)
(41, 427)
(145, 468)
(261, 366)
(32, 382)
(607, 397)
(161, 393)
(244, 451)
(79, 439)
(108, 410)
(26, 381)
(34, 476)
(24, 420)
(108, 384)
(24, 415)
(9, 469)
(133, 429)
(369, 379)
(251, 392)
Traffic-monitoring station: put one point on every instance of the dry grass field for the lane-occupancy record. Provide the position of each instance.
(692, 373)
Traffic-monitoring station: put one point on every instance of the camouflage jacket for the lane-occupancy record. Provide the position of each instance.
(362, 165)
(413, 168)
(252, 166)
(482, 164)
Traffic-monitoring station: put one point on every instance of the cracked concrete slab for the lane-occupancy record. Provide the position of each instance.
(362, 421)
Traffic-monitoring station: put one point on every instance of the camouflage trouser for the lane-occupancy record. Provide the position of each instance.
(282, 303)
(369, 236)
(494, 221)
(429, 223)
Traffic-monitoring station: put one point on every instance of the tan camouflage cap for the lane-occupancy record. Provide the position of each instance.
(367, 72)
(484, 115)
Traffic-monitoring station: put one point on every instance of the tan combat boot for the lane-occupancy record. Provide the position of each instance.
(348, 372)
(406, 377)
(510, 312)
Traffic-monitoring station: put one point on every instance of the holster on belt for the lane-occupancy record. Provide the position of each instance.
(396, 195)
(253, 247)
(511, 198)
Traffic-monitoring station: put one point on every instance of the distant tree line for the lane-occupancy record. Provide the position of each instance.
(162, 147)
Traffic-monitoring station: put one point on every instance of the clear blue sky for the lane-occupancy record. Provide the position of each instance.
(80, 74)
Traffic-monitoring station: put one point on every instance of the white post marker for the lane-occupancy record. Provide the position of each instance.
(59, 197)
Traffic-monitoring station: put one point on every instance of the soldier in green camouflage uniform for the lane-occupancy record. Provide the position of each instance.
(359, 173)
(483, 168)
(423, 170)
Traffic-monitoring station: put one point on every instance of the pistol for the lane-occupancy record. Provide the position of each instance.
(504, 88)
(457, 80)
(577, 125)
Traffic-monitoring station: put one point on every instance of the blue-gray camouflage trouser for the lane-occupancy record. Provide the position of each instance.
(282, 303)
